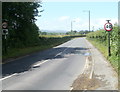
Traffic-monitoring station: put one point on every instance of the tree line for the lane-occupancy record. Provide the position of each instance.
(82, 32)
(22, 30)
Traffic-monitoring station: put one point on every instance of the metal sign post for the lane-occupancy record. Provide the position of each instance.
(108, 27)
(5, 33)
(109, 51)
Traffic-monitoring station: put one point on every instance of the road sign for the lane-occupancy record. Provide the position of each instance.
(4, 25)
(108, 27)
(5, 31)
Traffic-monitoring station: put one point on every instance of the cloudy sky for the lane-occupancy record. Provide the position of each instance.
(58, 15)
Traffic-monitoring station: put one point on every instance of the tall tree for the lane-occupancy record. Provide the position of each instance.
(23, 31)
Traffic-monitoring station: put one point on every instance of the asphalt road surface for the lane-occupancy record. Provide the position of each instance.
(53, 69)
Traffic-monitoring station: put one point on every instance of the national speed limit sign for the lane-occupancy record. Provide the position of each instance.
(108, 27)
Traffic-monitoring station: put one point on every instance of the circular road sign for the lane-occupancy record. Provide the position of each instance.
(4, 25)
(108, 27)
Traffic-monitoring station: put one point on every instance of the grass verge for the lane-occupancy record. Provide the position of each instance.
(104, 50)
(45, 43)
(19, 52)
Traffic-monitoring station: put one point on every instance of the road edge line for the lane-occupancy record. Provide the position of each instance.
(8, 77)
(93, 61)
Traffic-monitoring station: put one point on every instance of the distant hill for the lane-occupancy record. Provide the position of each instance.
(55, 31)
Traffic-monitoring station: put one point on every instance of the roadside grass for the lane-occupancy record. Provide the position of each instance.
(17, 52)
(53, 36)
(104, 50)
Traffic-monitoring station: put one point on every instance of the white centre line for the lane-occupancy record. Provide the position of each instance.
(38, 64)
(61, 52)
(71, 89)
(58, 54)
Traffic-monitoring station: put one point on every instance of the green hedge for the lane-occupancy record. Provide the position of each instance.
(100, 37)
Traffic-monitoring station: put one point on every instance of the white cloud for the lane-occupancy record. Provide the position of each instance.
(99, 23)
(64, 23)
(63, 18)
(103, 20)
(82, 24)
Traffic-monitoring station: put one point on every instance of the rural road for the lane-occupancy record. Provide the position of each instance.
(53, 69)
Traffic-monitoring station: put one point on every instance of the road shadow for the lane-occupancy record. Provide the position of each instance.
(25, 63)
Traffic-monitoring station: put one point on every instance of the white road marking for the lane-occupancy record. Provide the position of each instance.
(38, 64)
(85, 90)
(71, 88)
(93, 62)
(91, 74)
(58, 54)
(61, 52)
(86, 65)
(8, 76)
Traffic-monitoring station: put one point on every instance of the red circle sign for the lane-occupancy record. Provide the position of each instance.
(4, 25)
(108, 27)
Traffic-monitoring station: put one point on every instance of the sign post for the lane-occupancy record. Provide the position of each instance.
(5, 33)
(108, 27)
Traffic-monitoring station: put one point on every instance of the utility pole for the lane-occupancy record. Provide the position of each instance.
(89, 20)
(89, 17)
(93, 28)
(71, 26)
